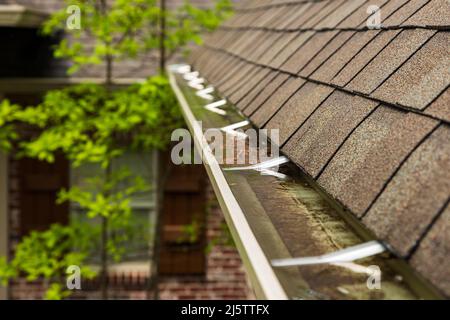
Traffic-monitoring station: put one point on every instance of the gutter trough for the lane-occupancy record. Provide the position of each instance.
(295, 243)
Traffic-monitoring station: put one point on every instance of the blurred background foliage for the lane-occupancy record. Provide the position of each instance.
(94, 124)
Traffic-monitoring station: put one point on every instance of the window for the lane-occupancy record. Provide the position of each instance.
(140, 234)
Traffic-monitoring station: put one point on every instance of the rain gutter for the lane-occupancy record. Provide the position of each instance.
(294, 241)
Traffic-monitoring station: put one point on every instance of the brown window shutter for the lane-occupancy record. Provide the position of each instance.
(40, 183)
(183, 251)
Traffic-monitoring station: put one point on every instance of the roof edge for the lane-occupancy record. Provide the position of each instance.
(245, 198)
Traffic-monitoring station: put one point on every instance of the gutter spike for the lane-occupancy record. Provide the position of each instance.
(263, 165)
(197, 83)
(214, 107)
(231, 129)
(182, 69)
(206, 93)
(191, 75)
(350, 254)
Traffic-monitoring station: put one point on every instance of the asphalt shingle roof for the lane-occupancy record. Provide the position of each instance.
(364, 112)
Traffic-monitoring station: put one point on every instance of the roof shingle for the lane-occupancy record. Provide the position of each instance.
(370, 156)
(434, 14)
(291, 48)
(358, 62)
(303, 55)
(431, 258)
(341, 57)
(250, 97)
(326, 52)
(420, 80)
(344, 10)
(440, 108)
(360, 15)
(389, 59)
(404, 12)
(298, 109)
(275, 101)
(415, 195)
(320, 136)
(265, 91)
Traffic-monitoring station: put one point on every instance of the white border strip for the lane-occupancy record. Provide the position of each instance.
(266, 276)
(350, 254)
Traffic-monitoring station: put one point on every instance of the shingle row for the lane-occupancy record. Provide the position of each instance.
(342, 14)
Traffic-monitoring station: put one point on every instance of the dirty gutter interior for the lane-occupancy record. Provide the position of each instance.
(287, 216)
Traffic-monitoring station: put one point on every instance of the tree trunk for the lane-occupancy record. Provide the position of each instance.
(104, 244)
(162, 36)
(154, 262)
(153, 288)
(104, 259)
(104, 226)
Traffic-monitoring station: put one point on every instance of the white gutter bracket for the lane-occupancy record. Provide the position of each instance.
(350, 254)
(266, 168)
(197, 83)
(231, 129)
(206, 93)
(266, 165)
(214, 107)
(181, 68)
(191, 75)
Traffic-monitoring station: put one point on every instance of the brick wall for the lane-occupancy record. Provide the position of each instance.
(225, 278)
